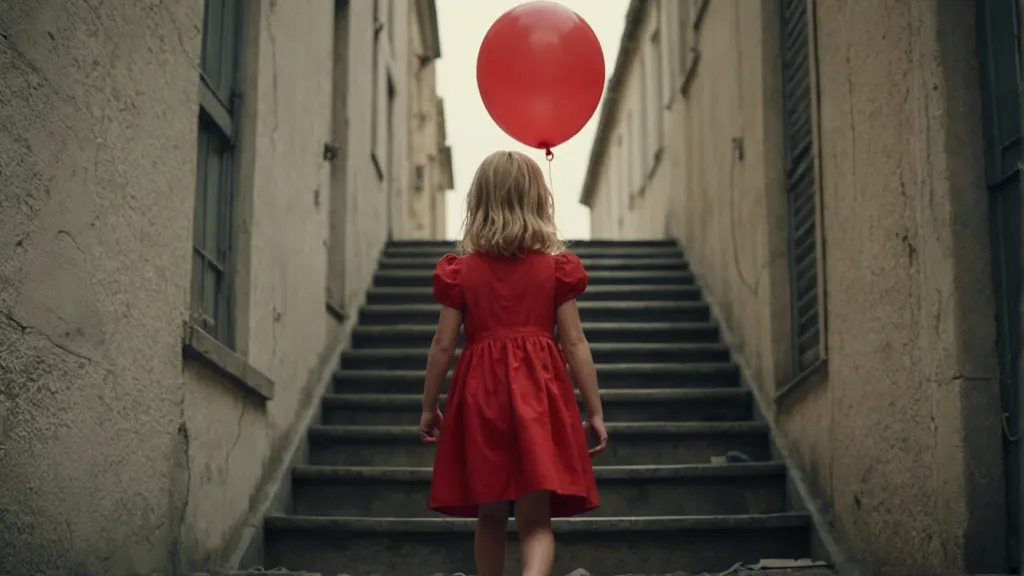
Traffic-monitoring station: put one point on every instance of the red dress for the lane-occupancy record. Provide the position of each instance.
(512, 424)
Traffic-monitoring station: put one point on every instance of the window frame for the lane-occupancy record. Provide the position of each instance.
(214, 255)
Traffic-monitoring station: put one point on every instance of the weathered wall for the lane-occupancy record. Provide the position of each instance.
(631, 189)
(424, 208)
(233, 438)
(367, 218)
(97, 156)
(116, 456)
(904, 432)
(899, 428)
(423, 137)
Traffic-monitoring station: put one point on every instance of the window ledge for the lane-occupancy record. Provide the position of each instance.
(335, 310)
(698, 18)
(816, 373)
(655, 162)
(377, 166)
(203, 348)
(691, 72)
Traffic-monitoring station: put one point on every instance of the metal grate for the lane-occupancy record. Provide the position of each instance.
(213, 218)
(800, 184)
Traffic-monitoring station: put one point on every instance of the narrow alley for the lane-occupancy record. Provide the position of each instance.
(219, 221)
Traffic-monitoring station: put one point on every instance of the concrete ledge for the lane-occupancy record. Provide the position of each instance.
(608, 396)
(624, 428)
(818, 372)
(563, 525)
(203, 348)
(423, 475)
(609, 369)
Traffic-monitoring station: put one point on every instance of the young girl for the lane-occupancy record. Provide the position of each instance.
(511, 431)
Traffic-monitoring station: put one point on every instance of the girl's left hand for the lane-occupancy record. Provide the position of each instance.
(430, 426)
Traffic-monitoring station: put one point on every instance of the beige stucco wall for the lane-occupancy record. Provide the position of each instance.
(422, 112)
(899, 431)
(232, 437)
(424, 208)
(116, 456)
(633, 161)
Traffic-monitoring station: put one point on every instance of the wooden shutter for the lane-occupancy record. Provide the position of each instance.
(800, 180)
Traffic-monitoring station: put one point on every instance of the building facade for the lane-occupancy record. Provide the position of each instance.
(844, 178)
(194, 198)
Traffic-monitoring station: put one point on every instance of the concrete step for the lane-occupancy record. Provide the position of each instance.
(688, 490)
(630, 444)
(664, 405)
(422, 278)
(641, 375)
(391, 314)
(638, 264)
(583, 252)
(606, 293)
(420, 335)
(608, 353)
(603, 353)
(570, 244)
(604, 546)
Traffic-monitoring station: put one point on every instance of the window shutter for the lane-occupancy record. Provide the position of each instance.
(800, 184)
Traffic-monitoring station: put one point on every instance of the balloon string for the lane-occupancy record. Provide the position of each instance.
(549, 155)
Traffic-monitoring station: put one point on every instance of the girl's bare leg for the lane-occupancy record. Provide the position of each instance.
(489, 543)
(536, 540)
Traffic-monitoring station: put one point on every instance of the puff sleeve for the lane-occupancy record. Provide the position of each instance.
(570, 278)
(448, 282)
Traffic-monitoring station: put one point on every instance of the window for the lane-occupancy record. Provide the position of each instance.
(642, 142)
(684, 48)
(389, 132)
(700, 8)
(391, 20)
(666, 52)
(376, 81)
(339, 166)
(654, 90)
(619, 181)
(419, 178)
(212, 307)
(801, 184)
(629, 159)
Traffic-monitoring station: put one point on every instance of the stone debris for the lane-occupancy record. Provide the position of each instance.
(765, 567)
(731, 457)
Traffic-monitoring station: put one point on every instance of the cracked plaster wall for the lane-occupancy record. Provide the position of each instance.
(425, 206)
(116, 457)
(900, 433)
(97, 154)
(634, 171)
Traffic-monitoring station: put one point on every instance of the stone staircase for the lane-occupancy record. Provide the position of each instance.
(674, 405)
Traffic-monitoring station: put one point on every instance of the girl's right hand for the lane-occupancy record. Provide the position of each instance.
(595, 429)
(431, 422)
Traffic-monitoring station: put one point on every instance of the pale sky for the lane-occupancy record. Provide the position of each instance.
(471, 132)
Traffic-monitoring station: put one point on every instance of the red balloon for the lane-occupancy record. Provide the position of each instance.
(540, 71)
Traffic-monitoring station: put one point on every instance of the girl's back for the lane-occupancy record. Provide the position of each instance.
(513, 293)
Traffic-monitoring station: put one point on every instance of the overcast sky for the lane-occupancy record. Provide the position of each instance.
(471, 132)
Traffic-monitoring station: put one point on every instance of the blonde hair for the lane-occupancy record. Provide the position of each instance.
(509, 209)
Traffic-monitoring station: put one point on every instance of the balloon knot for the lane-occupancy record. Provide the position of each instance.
(549, 154)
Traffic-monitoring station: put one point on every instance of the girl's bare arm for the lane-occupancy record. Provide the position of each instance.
(442, 350)
(581, 362)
